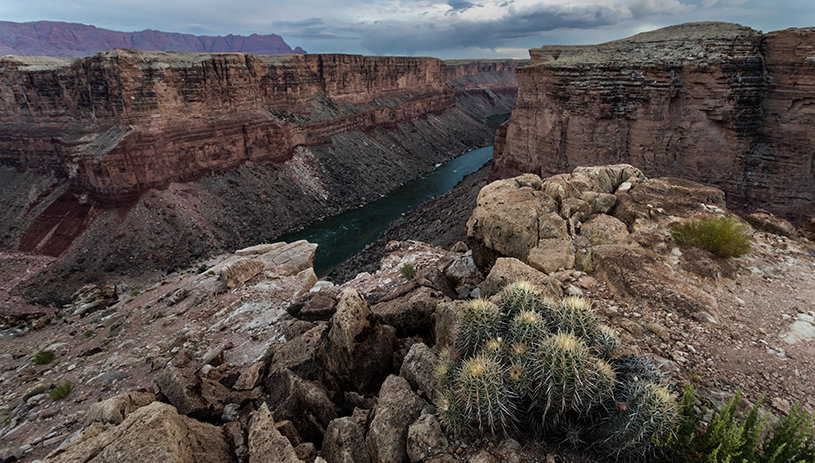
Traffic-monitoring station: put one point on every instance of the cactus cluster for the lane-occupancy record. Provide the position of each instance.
(527, 362)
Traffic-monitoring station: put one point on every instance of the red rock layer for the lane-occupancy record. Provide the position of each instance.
(122, 122)
(50, 38)
(713, 102)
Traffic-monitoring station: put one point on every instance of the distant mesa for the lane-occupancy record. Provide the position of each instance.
(49, 38)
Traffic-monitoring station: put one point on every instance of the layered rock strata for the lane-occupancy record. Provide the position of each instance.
(717, 103)
(152, 159)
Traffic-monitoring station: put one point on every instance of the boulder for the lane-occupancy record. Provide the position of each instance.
(344, 442)
(648, 281)
(600, 203)
(155, 432)
(508, 270)
(505, 220)
(315, 306)
(289, 259)
(240, 272)
(552, 226)
(604, 229)
(419, 369)
(606, 179)
(259, 249)
(182, 388)
(766, 222)
(358, 349)
(448, 315)
(425, 439)
(463, 271)
(575, 208)
(410, 313)
(303, 282)
(551, 255)
(115, 409)
(265, 441)
(397, 408)
(808, 229)
(298, 355)
(250, 377)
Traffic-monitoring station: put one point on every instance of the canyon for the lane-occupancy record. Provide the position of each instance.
(55, 38)
(716, 103)
(129, 162)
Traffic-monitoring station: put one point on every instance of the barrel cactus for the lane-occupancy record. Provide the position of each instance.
(485, 394)
(550, 368)
(480, 322)
(518, 296)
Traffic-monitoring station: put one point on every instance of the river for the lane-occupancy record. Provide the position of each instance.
(343, 235)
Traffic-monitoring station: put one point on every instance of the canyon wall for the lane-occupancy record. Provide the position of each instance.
(716, 103)
(133, 161)
(56, 38)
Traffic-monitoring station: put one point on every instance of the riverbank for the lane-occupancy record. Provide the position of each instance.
(440, 221)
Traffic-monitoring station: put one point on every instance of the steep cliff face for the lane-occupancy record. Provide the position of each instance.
(131, 161)
(713, 102)
(55, 38)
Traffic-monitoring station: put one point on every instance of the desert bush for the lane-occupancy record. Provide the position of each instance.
(43, 357)
(407, 270)
(729, 437)
(550, 368)
(61, 391)
(724, 237)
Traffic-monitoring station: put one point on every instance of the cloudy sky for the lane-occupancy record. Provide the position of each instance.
(445, 29)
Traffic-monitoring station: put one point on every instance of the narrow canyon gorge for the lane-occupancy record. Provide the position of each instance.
(127, 162)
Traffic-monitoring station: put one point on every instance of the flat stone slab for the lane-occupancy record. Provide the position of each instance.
(259, 249)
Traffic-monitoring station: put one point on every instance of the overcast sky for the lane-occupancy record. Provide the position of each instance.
(445, 29)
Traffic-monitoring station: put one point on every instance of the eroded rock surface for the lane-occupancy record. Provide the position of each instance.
(717, 103)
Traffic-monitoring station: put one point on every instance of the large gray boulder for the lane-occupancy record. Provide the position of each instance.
(397, 408)
(155, 432)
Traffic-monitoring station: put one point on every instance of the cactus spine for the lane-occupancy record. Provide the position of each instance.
(527, 326)
(518, 296)
(485, 396)
(606, 342)
(480, 322)
(574, 315)
(564, 373)
(650, 413)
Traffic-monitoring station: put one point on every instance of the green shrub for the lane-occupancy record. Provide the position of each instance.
(731, 438)
(134, 293)
(724, 237)
(408, 271)
(43, 357)
(61, 391)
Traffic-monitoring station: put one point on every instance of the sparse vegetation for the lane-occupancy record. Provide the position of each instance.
(43, 357)
(61, 391)
(408, 270)
(88, 334)
(724, 237)
(134, 293)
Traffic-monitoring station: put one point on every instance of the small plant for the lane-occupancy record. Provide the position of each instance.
(43, 357)
(202, 268)
(724, 237)
(61, 391)
(407, 270)
(88, 334)
(134, 293)
(732, 438)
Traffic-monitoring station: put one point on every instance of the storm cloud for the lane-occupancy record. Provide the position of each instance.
(443, 28)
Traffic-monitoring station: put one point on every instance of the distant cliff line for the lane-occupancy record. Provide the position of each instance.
(53, 38)
(716, 103)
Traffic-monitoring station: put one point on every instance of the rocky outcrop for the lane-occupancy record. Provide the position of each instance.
(54, 38)
(179, 155)
(155, 432)
(609, 220)
(715, 103)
